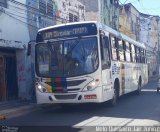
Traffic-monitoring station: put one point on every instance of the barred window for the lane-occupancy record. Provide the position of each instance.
(3, 3)
(73, 18)
(46, 7)
(42, 6)
(50, 8)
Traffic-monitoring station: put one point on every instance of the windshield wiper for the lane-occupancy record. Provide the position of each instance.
(49, 46)
(74, 45)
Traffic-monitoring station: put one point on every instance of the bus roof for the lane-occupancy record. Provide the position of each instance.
(66, 24)
(121, 35)
(101, 26)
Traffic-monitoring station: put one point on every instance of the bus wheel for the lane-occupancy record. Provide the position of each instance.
(139, 90)
(158, 90)
(113, 101)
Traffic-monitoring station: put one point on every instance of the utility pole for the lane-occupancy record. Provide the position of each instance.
(158, 54)
(158, 57)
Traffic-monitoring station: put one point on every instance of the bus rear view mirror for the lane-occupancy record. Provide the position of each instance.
(29, 47)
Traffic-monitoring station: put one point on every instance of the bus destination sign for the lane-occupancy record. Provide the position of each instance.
(68, 31)
(65, 33)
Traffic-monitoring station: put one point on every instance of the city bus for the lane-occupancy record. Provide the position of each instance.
(87, 62)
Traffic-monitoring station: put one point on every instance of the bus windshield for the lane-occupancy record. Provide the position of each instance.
(67, 58)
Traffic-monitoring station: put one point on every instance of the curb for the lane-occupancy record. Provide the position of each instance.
(2, 117)
(4, 114)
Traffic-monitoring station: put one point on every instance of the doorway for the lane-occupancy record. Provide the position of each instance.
(8, 75)
(11, 78)
(2, 79)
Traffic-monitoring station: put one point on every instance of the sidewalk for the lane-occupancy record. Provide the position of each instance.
(12, 108)
(153, 78)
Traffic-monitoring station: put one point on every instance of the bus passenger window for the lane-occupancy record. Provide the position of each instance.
(105, 56)
(114, 47)
(133, 53)
(128, 55)
(137, 54)
(121, 50)
(130, 50)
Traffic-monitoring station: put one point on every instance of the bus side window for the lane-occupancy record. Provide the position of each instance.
(137, 54)
(114, 47)
(133, 53)
(124, 50)
(130, 50)
(105, 54)
(145, 57)
(121, 50)
(128, 53)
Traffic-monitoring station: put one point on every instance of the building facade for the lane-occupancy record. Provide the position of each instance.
(14, 37)
(69, 11)
(143, 28)
(19, 23)
(129, 22)
(149, 34)
(104, 11)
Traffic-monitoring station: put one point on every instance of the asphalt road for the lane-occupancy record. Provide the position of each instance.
(131, 110)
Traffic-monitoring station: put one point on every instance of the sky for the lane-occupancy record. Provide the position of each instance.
(151, 7)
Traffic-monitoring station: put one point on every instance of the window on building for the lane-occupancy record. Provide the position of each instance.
(73, 18)
(111, 1)
(42, 6)
(46, 7)
(50, 8)
(3, 3)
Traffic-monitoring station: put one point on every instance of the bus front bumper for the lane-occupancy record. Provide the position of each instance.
(94, 96)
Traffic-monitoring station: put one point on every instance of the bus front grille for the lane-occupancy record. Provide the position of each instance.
(69, 96)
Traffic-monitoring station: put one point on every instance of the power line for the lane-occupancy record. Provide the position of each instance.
(125, 1)
(142, 6)
(37, 11)
(13, 16)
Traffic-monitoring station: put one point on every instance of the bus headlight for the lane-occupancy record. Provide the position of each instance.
(91, 86)
(41, 88)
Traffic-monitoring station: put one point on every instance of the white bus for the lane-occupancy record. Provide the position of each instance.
(87, 62)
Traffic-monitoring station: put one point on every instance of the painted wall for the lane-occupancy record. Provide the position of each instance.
(14, 34)
(129, 21)
(124, 22)
(38, 20)
(104, 11)
(64, 7)
(110, 13)
(149, 29)
(92, 10)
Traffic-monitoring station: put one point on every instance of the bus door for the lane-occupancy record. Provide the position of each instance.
(106, 65)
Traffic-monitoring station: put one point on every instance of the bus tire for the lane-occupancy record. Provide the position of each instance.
(139, 89)
(113, 101)
(158, 90)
